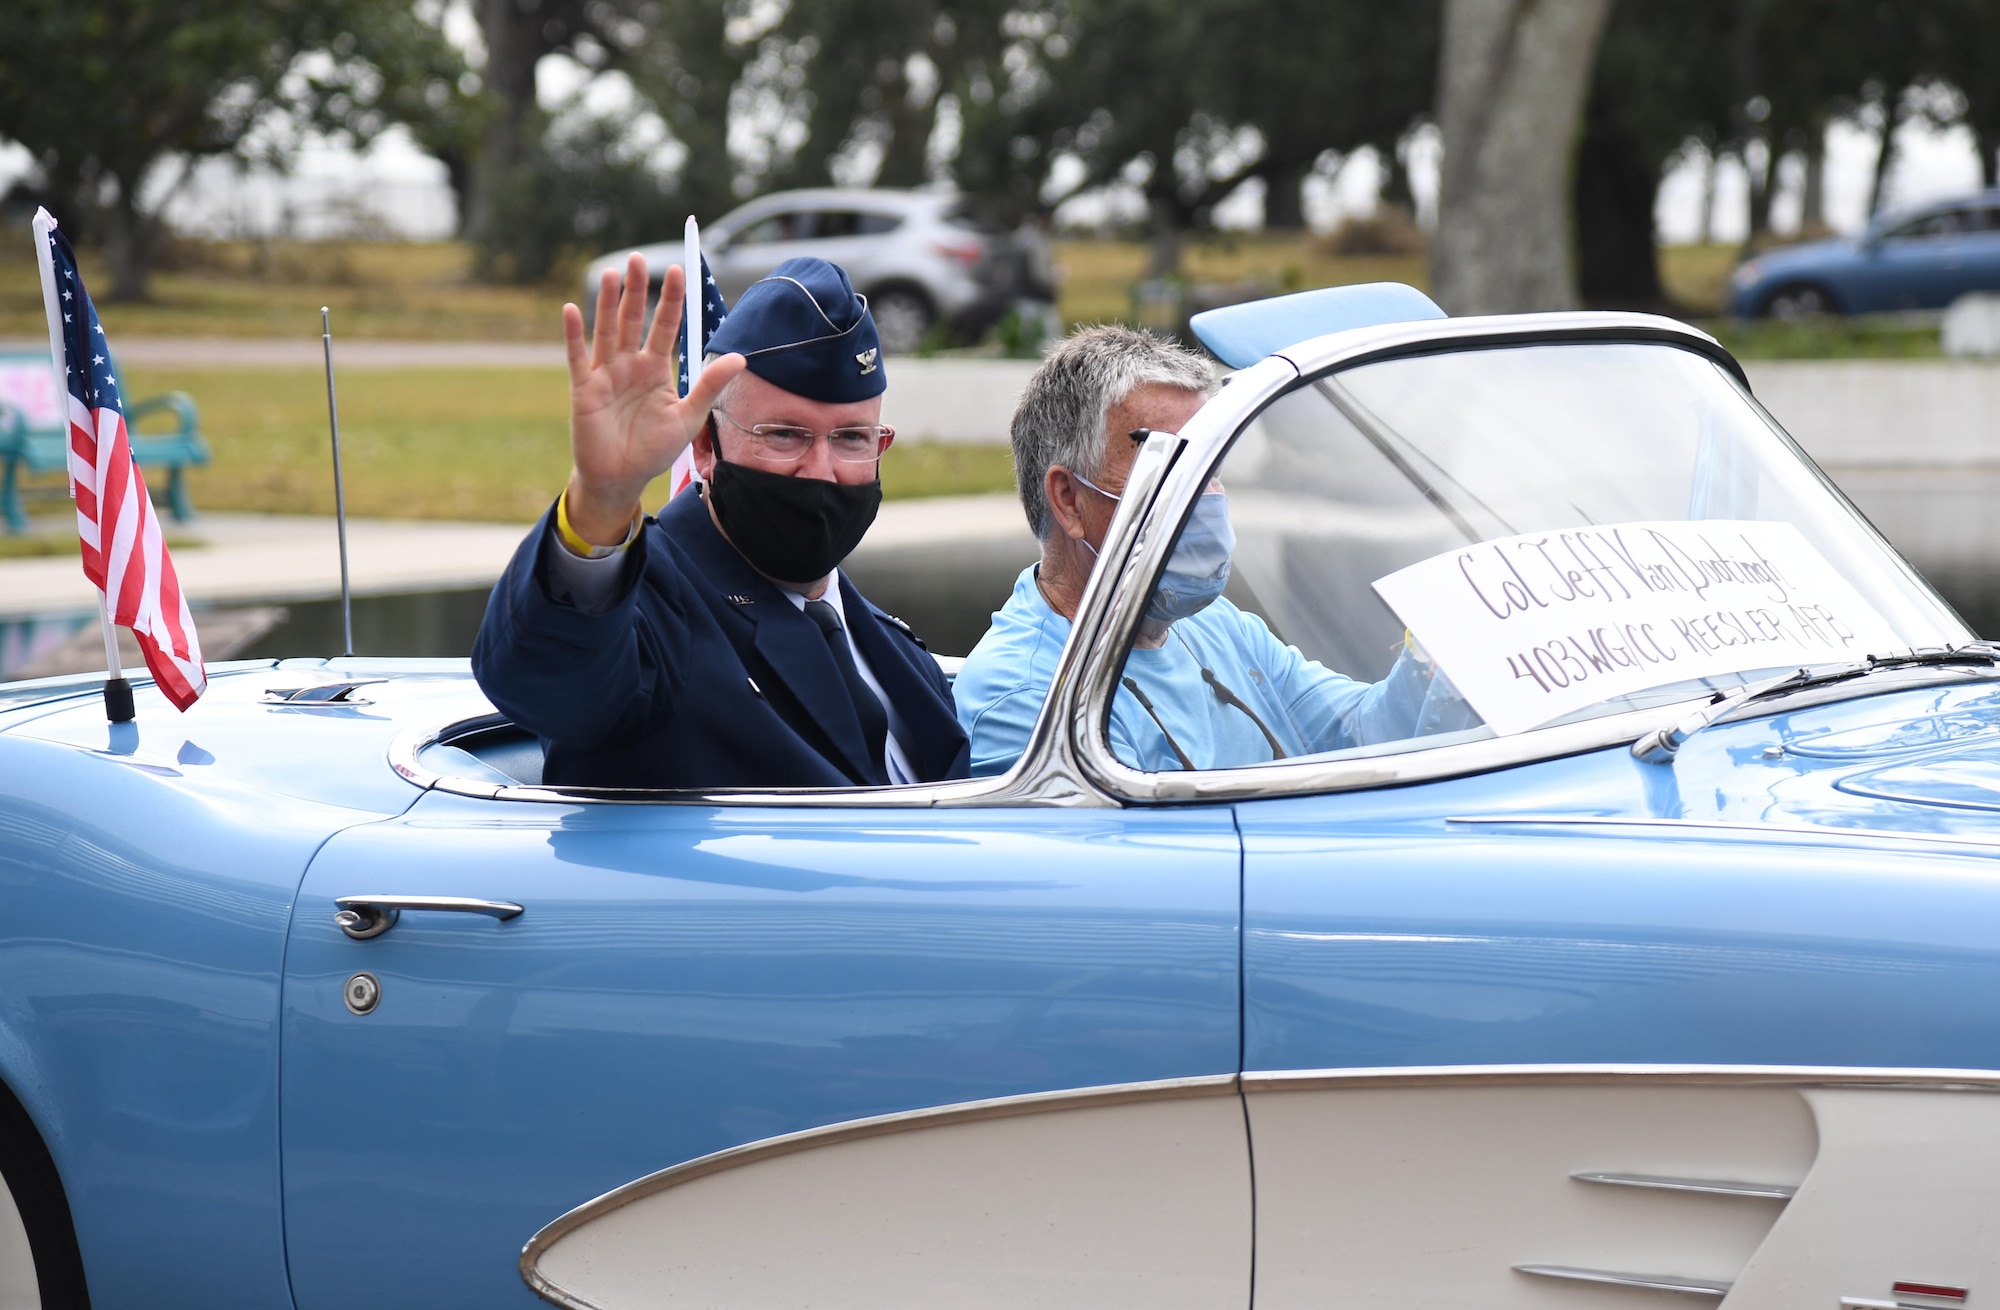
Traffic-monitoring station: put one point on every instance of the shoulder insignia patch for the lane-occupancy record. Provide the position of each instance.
(902, 627)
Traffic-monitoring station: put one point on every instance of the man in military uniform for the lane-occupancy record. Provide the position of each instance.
(718, 645)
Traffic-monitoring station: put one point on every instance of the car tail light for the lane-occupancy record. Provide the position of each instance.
(968, 253)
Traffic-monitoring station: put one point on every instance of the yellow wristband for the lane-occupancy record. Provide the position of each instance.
(576, 544)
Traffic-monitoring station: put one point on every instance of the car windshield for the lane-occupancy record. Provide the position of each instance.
(1564, 530)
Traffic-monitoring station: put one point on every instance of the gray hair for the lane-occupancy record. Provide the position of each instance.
(1060, 419)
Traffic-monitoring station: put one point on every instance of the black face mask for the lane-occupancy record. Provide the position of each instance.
(792, 529)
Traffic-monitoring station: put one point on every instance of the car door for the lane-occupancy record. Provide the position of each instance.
(1914, 266)
(761, 246)
(1981, 243)
(901, 1055)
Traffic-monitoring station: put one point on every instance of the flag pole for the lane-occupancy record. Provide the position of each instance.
(692, 289)
(117, 690)
(339, 492)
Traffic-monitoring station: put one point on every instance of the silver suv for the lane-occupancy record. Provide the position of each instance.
(923, 258)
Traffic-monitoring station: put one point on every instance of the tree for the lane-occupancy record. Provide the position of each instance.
(103, 93)
(1963, 49)
(1663, 79)
(395, 66)
(1313, 77)
(1512, 76)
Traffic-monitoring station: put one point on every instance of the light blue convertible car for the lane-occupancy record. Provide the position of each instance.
(1683, 980)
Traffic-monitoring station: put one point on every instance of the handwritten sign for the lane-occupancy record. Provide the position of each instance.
(1530, 628)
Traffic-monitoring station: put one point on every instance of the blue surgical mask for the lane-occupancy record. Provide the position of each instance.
(1198, 569)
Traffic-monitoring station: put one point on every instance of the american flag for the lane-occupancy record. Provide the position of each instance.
(682, 476)
(123, 551)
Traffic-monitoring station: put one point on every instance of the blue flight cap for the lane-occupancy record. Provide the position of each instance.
(803, 328)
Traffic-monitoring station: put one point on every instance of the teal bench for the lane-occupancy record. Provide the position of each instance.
(34, 434)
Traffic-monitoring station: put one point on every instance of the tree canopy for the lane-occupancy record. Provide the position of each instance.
(104, 92)
(1018, 102)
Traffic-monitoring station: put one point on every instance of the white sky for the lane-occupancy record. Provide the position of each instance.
(394, 187)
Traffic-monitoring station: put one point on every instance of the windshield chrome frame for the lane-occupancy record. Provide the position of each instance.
(1068, 761)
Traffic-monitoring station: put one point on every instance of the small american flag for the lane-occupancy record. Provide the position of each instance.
(123, 551)
(682, 476)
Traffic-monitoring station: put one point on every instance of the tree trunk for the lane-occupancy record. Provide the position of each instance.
(1396, 191)
(513, 48)
(1989, 167)
(1167, 236)
(1707, 233)
(1616, 185)
(129, 246)
(1885, 154)
(1812, 200)
(459, 176)
(1512, 75)
(1284, 198)
(904, 157)
(1760, 178)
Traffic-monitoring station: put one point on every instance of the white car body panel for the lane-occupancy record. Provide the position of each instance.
(1059, 1201)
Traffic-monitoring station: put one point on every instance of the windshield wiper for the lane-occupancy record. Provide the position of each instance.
(1660, 745)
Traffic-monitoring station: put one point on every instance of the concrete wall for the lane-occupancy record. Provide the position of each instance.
(1886, 413)
(961, 400)
(1850, 414)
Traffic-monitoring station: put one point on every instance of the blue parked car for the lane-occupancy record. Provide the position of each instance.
(315, 996)
(1918, 259)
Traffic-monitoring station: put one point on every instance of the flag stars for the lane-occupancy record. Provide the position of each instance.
(69, 295)
(97, 359)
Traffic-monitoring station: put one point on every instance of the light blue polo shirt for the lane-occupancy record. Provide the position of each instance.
(1306, 706)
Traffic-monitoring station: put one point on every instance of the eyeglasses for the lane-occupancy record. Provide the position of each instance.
(785, 442)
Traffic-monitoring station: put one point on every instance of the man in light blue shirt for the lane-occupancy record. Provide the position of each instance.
(1207, 685)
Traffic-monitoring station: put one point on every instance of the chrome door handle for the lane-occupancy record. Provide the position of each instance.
(362, 917)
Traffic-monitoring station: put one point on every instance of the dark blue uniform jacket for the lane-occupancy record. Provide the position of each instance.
(702, 674)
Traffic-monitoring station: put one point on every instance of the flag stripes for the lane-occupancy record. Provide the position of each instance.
(124, 552)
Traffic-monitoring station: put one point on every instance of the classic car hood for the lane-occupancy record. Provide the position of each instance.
(244, 732)
(1925, 762)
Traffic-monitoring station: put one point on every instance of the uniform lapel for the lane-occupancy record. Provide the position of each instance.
(930, 718)
(791, 644)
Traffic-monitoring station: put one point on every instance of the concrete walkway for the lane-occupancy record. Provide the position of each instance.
(269, 557)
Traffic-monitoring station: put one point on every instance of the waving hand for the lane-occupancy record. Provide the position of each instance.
(627, 419)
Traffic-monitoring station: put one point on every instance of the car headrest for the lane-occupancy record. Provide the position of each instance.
(1240, 335)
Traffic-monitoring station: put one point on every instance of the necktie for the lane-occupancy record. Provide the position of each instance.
(867, 706)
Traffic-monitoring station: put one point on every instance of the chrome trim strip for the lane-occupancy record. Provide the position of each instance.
(1654, 1282)
(1706, 1186)
(1765, 831)
(1262, 1082)
(1003, 1107)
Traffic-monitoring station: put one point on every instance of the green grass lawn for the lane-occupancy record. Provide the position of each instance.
(437, 443)
(386, 289)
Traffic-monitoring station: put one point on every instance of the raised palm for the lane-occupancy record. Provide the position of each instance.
(627, 419)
